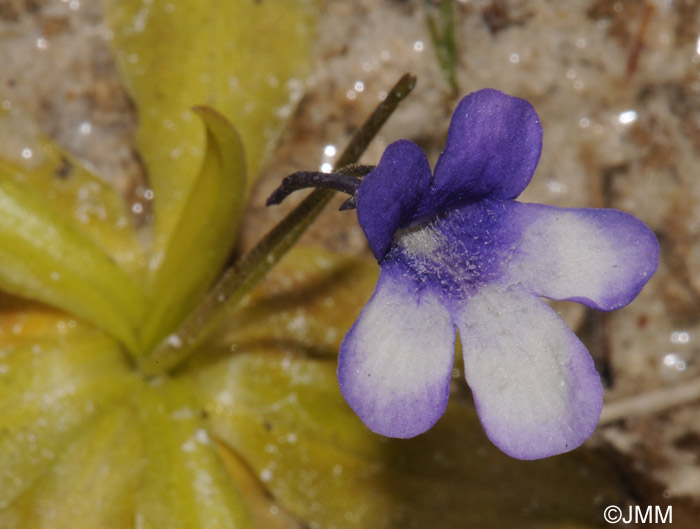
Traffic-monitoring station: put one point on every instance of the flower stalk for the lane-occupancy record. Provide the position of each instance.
(237, 280)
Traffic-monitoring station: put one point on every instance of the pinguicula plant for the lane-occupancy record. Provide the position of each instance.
(143, 384)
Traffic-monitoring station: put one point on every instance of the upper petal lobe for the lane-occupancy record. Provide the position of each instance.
(395, 363)
(387, 198)
(493, 146)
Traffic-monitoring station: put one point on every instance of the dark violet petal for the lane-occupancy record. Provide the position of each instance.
(598, 257)
(535, 388)
(493, 146)
(395, 362)
(388, 196)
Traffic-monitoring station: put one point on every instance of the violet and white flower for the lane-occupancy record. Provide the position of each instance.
(458, 253)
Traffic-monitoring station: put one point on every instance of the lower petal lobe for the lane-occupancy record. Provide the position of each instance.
(598, 257)
(395, 362)
(535, 388)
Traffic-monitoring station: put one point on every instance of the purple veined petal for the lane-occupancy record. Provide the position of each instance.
(598, 257)
(388, 196)
(493, 146)
(395, 363)
(535, 388)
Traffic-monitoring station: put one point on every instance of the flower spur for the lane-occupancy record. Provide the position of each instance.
(458, 253)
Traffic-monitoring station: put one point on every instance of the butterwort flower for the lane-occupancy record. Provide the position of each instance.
(459, 253)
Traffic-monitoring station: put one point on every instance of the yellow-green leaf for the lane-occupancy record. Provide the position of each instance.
(245, 59)
(91, 484)
(85, 442)
(184, 485)
(309, 300)
(204, 233)
(56, 376)
(39, 165)
(47, 258)
(265, 512)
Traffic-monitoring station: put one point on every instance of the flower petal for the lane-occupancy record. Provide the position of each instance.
(395, 362)
(388, 196)
(493, 146)
(536, 390)
(598, 257)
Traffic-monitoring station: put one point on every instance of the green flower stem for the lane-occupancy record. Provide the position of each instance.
(238, 280)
